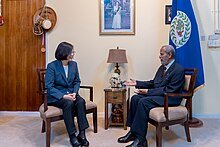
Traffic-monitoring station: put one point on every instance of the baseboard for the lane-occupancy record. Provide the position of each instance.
(206, 115)
(19, 113)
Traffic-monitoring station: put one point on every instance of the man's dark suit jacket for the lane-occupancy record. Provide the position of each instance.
(57, 84)
(171, 82)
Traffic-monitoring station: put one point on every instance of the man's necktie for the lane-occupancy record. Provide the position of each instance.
(164, 70)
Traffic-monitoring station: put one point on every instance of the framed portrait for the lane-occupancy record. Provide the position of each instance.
(168, 11)
(117, 17)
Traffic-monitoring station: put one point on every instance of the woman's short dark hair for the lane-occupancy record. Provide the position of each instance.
(64, 49)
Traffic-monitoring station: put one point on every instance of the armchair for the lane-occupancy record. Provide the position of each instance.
(166, 116)
(50, 113)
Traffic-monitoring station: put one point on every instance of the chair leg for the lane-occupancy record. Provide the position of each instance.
(95, 120)
(43, 127)
(159, 136)
(48, 129)
(186, 126)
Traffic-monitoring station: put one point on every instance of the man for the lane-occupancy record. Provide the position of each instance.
(150, 94)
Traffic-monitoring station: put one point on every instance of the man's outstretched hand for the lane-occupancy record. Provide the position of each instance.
(132, 82)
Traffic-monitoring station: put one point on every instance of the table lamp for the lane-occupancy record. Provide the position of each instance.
(117, 56)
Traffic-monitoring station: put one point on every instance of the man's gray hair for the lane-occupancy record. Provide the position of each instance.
(169, 49)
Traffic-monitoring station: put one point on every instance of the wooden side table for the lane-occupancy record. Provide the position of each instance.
(117, 97)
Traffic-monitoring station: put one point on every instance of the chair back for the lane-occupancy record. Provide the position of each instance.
(41, 86)
(190, 80)
(188, 90)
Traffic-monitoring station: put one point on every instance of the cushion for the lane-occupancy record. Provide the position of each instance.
(175, 113)
(54, 111)
(51, 112)
(90, 105)
(187, 82)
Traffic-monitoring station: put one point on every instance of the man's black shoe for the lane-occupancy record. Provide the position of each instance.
(128, 137)
(138, 143)
(83, 141)
(74, 142)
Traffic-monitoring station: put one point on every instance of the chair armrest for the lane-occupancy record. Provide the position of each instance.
(167, 95)
(45, 101)
(184, 95)
(90, 91)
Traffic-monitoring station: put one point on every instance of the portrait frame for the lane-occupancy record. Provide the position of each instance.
(168, 11)
(117, 19)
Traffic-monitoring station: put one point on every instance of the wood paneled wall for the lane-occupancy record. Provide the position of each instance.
(20, 55)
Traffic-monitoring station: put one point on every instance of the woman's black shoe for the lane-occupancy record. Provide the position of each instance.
(83, 141)
(74, 142)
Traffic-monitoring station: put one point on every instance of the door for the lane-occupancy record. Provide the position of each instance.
(20, 55)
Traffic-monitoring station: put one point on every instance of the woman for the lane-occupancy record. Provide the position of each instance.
(62, 83)
(116, 23)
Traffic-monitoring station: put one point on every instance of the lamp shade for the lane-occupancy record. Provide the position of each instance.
(117, 56)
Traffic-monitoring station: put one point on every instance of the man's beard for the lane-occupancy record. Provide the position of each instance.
(164, 61)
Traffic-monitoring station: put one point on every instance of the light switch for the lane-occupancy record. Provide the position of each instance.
(202, 38)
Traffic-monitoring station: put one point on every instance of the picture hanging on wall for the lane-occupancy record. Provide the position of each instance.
(117, 17)
(168, 11)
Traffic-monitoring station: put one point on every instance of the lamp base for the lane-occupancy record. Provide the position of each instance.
(117, 70)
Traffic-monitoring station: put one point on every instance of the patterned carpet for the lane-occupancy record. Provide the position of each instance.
(25, 131)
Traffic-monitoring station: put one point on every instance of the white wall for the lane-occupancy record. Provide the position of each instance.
(78, 23)
(206, 101)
